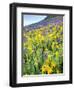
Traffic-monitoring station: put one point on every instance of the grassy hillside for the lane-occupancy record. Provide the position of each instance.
(43, 47)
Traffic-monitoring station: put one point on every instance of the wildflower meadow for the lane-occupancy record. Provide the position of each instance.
(43, 48)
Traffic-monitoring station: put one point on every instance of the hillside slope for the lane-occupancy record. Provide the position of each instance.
(52, 20)
(43, 47)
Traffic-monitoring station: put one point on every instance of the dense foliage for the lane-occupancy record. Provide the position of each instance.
(43, 50)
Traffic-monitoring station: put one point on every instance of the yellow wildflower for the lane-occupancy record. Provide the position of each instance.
(54, 28)
(54, 37)
(42, 38)
(61, 28)
(39, 38)
(30, 48)
(49, 71)
(57, 46)
(46, 68)
(50, 35)
(43, 68)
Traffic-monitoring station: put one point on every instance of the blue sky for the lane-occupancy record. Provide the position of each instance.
(30, 19)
